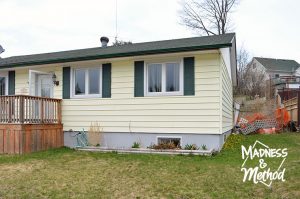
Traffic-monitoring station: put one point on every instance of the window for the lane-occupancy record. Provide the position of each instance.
(164, 78)
(165, 140)
(3, 84)
(154, 77)
(87, 82)
(254, 65)
(276, 75)
(80, 82)
(173, 77)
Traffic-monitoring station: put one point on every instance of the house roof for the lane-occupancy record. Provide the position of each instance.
(146, 48)
(285, 65)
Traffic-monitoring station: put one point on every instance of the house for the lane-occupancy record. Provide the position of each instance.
(274, 74)
(276, 69)
(178, 89)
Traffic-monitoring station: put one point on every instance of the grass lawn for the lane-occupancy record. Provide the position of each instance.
(65, 173)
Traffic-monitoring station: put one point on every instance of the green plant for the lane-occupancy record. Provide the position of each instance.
(191, 147)
(136, 145)
(204, 147)
(233, 140)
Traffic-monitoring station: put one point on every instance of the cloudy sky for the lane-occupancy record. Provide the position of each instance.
(268, 28)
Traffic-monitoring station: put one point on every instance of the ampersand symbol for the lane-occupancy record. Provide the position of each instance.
(262, 163)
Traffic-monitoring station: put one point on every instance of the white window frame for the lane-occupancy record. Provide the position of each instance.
(5, 75)
(164, 75)
(86, 95)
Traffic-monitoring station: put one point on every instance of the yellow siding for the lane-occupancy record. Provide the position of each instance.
(125, 113)
(227, 99)
(22, 82)
(167, 114)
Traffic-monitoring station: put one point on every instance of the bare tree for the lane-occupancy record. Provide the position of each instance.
(208, 17)
(255, 82)
(243, 60)
(251, 81)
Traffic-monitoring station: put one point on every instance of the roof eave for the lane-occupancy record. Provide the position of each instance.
(116, 55)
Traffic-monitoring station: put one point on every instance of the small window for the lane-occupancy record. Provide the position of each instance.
(254, 65)
(3, 84)
(164, 78)
(276, 75)
(164, 140)
(87, 82)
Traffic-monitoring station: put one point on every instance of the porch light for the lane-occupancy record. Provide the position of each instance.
(56, 83)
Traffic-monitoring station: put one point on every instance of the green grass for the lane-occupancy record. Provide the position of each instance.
(65, 173)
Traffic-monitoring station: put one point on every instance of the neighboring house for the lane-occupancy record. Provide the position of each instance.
(279, 73)
(144, 92)
(275, 68)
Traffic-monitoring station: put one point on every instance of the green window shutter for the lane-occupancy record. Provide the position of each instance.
(11, 82)
(106, 80)
(66, 82)
(139, 79)
(189, 75)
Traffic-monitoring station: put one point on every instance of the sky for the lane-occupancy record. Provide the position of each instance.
(266, 28)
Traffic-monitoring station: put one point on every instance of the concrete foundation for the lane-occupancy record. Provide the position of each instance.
(126, 140)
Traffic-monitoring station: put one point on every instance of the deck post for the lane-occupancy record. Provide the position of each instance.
(21, 105)
(42, 111)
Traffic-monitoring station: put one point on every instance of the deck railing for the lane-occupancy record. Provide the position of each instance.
(23, 109)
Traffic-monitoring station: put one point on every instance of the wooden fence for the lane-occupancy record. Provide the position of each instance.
(23, 109)
(291, 106)
(26, 138)
(291, 101)
(29, 123)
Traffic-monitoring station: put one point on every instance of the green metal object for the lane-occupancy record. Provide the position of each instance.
(81, 139)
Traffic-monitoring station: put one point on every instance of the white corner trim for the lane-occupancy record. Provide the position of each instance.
(225, 53)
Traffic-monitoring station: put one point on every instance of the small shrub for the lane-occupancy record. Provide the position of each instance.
(191, 147)
(136, 145)
(166, 145)
(204, 147)
(95, 134)
(233, 141)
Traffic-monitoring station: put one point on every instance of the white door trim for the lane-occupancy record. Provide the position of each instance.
(33, 82)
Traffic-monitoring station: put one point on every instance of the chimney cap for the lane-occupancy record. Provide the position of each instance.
(104, 41)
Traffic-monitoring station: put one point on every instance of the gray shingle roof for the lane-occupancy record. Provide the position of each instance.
(278, 64)
(156, 47)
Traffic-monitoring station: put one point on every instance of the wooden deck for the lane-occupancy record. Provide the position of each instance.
(29, 124)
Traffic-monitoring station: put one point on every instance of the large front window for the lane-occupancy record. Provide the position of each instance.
(87, 82)
(164, 78)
